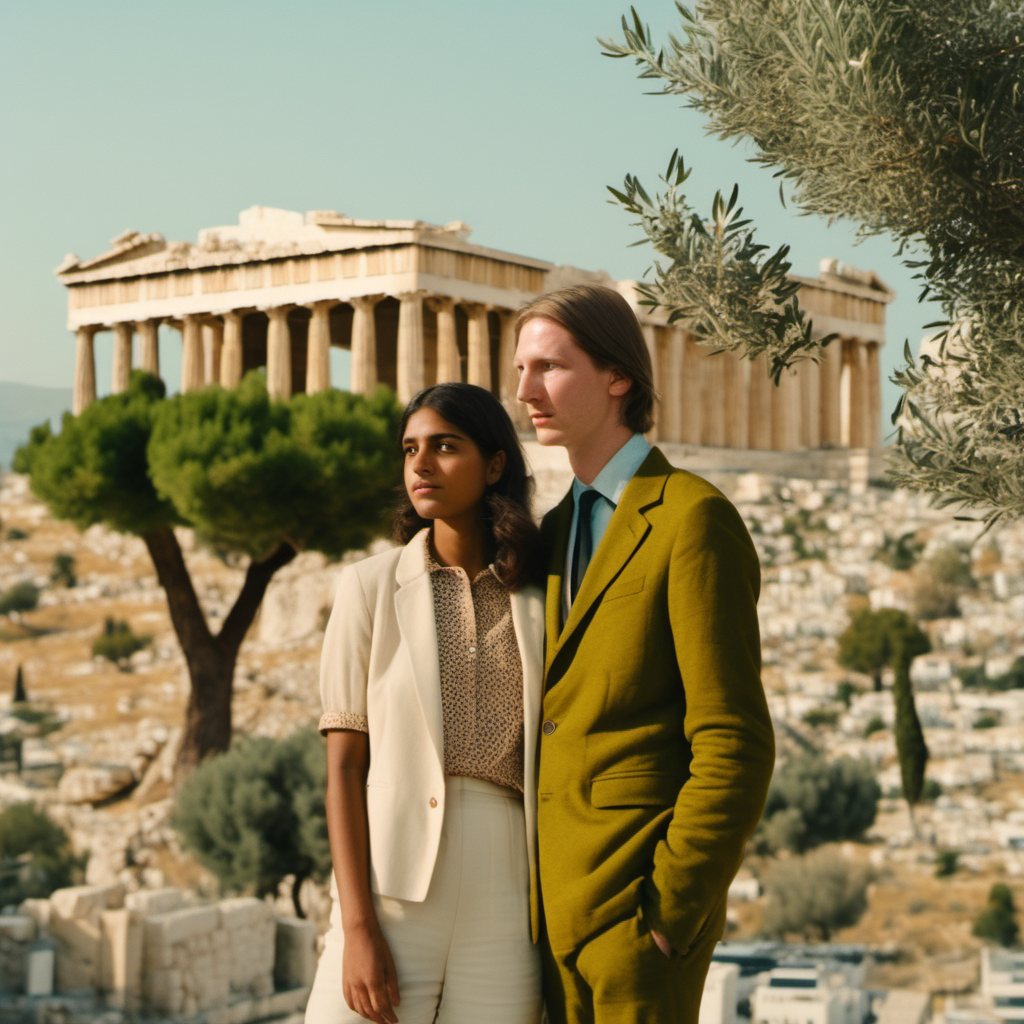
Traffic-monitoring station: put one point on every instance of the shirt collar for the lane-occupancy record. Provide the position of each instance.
(433, 565)
(617, 471)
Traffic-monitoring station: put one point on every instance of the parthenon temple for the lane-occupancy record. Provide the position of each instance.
(416, 303)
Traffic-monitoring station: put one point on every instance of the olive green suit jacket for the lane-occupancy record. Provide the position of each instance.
(657, 747)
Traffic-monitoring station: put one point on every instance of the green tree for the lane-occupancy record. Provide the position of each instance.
(63, 570)
(870, 642)
(256, 813)
(890, 637)
(998, 921)
(812, 801)
(117, 642)
(904, 118)
(261, 478)
(814, 895)
(22, 597)
(35, 855)
(20, 696)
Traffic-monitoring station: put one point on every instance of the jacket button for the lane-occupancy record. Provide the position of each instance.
(548, 727)
(433, 801)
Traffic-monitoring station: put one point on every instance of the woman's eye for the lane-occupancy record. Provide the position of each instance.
(445, 446)
(410, 449)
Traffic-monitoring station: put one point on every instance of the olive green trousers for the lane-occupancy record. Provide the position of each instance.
(620, 976)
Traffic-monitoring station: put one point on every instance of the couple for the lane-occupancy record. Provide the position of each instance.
(503, 807)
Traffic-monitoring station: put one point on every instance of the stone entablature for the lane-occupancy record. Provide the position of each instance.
(417, 303)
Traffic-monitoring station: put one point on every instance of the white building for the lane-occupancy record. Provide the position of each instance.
(1002, 984)
(807, 995)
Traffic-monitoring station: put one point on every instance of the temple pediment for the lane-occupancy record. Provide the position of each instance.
(127, 246)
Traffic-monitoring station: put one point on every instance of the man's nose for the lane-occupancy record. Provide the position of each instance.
(525, 388)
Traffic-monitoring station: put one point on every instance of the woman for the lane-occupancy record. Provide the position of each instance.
(431, 680)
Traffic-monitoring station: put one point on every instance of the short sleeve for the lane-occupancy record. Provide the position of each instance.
(345, 656)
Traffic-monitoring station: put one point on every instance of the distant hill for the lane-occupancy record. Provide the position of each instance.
(23, 406)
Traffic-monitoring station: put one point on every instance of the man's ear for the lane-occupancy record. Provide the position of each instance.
(619, 384)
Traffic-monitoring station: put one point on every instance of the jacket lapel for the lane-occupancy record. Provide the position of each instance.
(627, 530)
(561, 521)
(414, 609)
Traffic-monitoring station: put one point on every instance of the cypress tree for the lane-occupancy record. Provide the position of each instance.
(20, 696)
(911, 748)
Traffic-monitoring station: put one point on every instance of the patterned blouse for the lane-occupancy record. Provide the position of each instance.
(481, 676)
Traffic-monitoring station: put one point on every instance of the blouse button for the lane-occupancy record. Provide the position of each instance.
(472, 650)
(433, 801)
(548, 727)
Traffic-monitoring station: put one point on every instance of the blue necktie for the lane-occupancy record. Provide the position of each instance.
(584, 546)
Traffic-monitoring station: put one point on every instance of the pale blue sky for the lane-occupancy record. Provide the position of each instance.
(174, 115)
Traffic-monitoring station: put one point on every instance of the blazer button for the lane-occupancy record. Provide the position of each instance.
(548, 727)
(433, 801)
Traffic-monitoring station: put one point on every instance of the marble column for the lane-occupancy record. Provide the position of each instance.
(759, 418)
(318, 347)
(691, 387)
(508, 378)
(809, 377)
(149, 345)
(121, 367)
(279, 353)
(191, 353)
(363, 372)
(713, 398)
(410, 370)
(786, 427)
(85, 368)
(736, 399)
(873, 397)
(231, 351)
(650, 333)
(830, 373)
(478, 362)
(851, 393)
(213, 345)
(449, 363)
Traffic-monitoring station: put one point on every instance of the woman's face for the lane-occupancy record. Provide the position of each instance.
(445, 472)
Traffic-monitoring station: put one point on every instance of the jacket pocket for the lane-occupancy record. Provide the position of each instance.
(624, 588)
(634, 789)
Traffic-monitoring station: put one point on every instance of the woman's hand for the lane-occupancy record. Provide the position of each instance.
(368, 975)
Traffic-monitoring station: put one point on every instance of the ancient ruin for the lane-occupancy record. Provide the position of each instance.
(416, 303)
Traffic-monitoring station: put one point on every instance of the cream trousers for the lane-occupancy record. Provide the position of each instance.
(464, 954)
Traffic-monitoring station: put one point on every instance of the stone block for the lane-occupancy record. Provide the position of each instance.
(78, 953)
(81, 901)
(39, 972)
(149, 902)
(18, 927)
(243, 912)
(121, 958)
(179, 925)
(91, 784)
(38, 910)
(163, 991)
(294, 953)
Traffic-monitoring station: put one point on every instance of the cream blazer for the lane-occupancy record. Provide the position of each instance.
(380, 660)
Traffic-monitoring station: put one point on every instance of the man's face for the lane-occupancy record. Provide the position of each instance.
(571, 401)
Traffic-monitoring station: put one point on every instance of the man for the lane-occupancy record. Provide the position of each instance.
(656, 746)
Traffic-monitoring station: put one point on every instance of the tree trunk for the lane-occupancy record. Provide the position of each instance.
(210, 658)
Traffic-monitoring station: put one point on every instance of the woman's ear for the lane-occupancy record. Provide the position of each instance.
(495, 467)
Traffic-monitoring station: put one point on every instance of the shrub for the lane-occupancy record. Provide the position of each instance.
(998, 921)
(35, 855)
(846, 691)
(22, 597)
(63, 570)
(15, 534)
(117, 642)
(814, 895)
(821, 716)
(947, 863)
(986, 721)
(875, 724)
(812, 801)
(256, 813)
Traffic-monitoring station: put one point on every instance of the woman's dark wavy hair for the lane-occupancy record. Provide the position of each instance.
(483, 419)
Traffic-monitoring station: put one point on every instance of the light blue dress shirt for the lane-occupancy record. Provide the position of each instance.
(609, 483)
